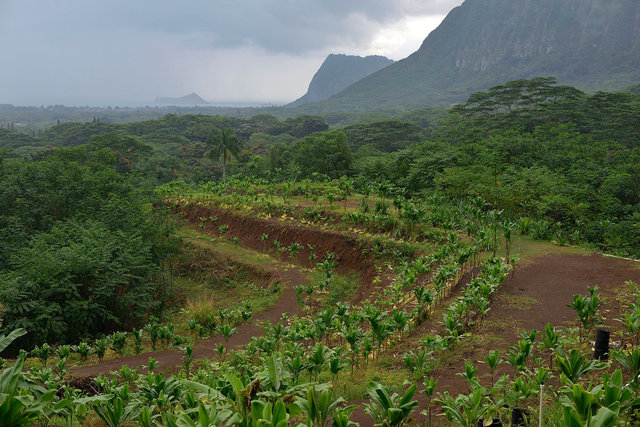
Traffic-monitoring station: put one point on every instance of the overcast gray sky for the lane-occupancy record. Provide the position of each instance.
(127, 52)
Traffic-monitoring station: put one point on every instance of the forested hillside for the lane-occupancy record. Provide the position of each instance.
(534, 148)
(80, 254)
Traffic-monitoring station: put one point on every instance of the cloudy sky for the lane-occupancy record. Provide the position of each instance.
(127, 52)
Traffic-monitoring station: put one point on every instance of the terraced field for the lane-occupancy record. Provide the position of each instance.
(313, 262)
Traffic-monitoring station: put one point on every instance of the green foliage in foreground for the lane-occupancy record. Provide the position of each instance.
(266, 385)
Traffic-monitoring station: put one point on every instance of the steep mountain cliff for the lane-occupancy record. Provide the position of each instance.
(590, 44)
(338, 72)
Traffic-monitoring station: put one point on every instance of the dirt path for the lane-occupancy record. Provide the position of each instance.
(248, 231)
(535, 295)
(205, 349)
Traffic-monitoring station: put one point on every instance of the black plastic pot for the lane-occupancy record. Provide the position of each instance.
(519, 417)
(635, 414)
(601, 348)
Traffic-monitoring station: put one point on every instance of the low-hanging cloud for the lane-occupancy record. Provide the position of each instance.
(122, 49)
(290, 26)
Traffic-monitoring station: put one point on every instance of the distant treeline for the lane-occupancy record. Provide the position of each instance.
(531, 147)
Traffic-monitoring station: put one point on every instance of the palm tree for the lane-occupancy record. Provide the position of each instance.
(225, 143)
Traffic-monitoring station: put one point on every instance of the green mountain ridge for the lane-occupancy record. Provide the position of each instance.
(590, 44)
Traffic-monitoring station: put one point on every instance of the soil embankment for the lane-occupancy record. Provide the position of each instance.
(249, 231)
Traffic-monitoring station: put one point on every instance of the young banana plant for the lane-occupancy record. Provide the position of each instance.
(390, 409)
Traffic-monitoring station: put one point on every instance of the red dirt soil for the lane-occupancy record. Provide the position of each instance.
(206, 349)
(248, 230)
(530, 298)
(544, 287)
(550, 282)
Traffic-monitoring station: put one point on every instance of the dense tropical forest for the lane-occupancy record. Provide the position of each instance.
(389, 237)
(550, 155)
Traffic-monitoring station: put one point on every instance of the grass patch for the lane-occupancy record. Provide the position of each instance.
(382, 370)
(342, 288)
(227, 248)
(216, 274)
(339, 289)
(230, 298)
(527, 249)
(518, 302)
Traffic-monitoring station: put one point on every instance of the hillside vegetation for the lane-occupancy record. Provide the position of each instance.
(336, 275)
(548, 153)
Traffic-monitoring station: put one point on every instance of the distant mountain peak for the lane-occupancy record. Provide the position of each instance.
(590, 44)
(339, 71)
(191, 99)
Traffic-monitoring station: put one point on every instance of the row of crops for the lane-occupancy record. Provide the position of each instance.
(300, 370)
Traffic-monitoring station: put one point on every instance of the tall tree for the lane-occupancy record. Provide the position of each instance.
(225, 144)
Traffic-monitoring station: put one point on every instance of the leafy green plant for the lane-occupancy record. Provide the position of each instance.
(137, 340)
(417, 361)
(226, 331)
(299, 297)
(429, 389)
(118, 340)
(22, 400)
(84, 350)
(342, 416)
(492, 361)
(152, 365)
(43, 353)
(336, 364)
(580, 409)
(153, 329)
(318, 358)
(187, 358)
(293, 249)
(6, 340)
(115, 412)
(63, 352)
(466, 410)
(317, 406)
(550, 341)
(390, 409)
(221, 349)
(587, 309)
(630, 360)
(574, 365)
(268, 414)
(100, 347)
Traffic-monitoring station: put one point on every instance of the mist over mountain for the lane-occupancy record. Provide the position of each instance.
(191, 99)
(590, 44)
(338, 72)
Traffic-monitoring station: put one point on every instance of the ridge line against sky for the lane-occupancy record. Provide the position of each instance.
(122, 52)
